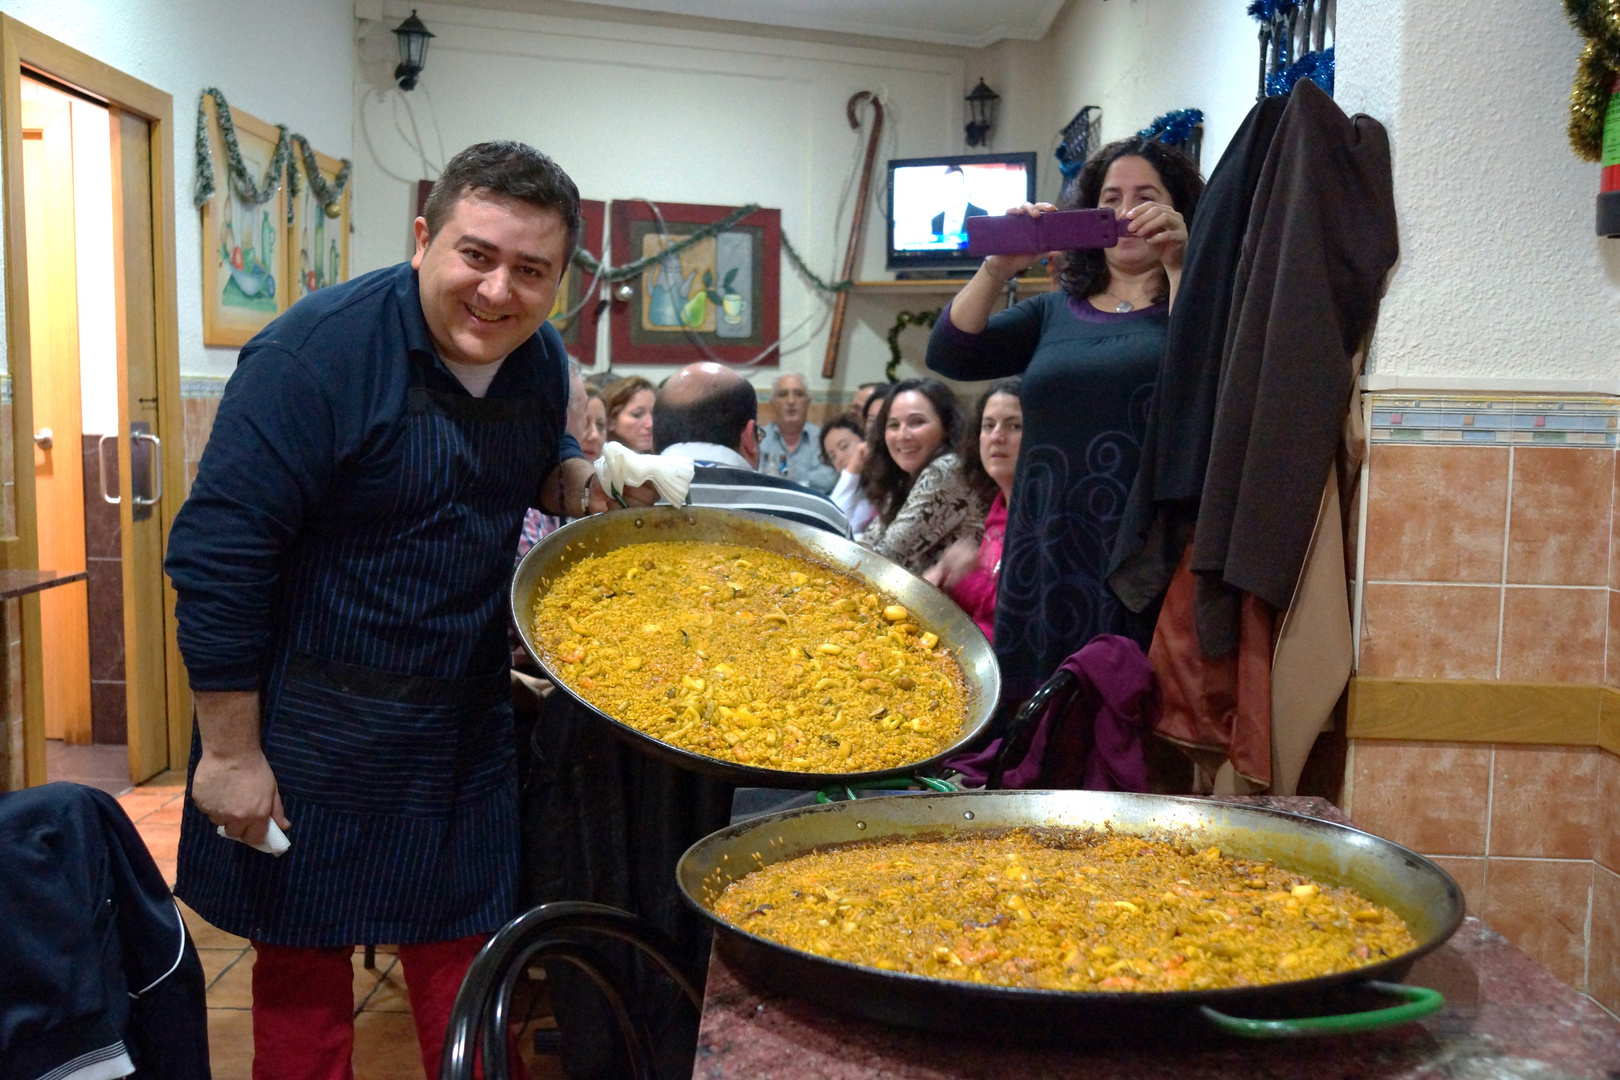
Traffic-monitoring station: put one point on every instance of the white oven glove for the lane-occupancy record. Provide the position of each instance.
(275, 841)
(620, 467)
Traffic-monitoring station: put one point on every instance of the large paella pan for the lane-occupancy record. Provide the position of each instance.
(934, 614)
(1420, 893)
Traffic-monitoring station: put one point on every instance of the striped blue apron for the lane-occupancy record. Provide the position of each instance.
(386, 709)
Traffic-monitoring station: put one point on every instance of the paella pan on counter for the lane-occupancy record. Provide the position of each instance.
(1058, 909)
(751, 656)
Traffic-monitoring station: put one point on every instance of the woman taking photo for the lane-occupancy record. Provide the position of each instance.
(915, 481)
(1089, 354)
(968, 570)
(629, 405)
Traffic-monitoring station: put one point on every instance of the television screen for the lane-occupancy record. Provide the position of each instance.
(930, 200)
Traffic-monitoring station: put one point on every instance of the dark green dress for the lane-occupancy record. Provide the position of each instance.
(1088, 384)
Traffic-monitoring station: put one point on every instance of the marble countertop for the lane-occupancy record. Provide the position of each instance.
(1506, 1017)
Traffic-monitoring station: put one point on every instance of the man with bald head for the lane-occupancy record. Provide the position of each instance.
(791, 446)
(708, 413)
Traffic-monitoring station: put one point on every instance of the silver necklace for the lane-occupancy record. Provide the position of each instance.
(1124, 304)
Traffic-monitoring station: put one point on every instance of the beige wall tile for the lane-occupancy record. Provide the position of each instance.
(1436, 513)
(1430, 797)
(1430, 631)
(1469, 873)
(1554, 635)
(1541, 906)
(1560, 519)
(1603, 967)
(1544, 801)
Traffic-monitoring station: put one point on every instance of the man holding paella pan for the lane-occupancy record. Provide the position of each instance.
(340, 568)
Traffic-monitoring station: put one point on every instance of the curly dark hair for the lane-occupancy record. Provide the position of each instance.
(882, 479)
(1085, 272)
(972, 464)
(511, 169)
(842, 421)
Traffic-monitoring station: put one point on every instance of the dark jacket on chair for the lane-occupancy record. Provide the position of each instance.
(98, 971)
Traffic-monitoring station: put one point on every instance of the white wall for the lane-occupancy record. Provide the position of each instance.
(1501, 274)
(672, 114)
(1139, 59)
(287, 61)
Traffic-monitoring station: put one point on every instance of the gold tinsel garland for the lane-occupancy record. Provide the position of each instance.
(1595, 73)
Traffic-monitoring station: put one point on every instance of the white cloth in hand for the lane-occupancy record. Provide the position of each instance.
(620, 467)
(275, 841)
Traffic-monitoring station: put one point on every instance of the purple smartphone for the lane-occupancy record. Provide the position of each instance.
(1055, 230)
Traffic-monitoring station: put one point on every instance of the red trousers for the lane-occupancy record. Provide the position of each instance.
(303, 1006)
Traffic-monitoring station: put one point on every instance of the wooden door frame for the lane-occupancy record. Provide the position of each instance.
(23, 47)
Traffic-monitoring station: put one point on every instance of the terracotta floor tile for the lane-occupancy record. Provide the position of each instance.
(1541, 906)
(234, 989)
(1430, 631)
(1603, 969)
(205, 935)
(1524, 821)
(1554, 635)
(1607, 848)
(1614, 530)
(167, 814)
(163, 841)
(230, 1044)
(382, 990)
(215, 961)
(141, 803)
(1469, 873)
(385, 1047)
(1560, 516)
(168, 869)
(1430, 797)
(1436, 513)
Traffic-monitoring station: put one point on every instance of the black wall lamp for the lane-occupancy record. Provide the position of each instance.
(981, 103)
(413, 38)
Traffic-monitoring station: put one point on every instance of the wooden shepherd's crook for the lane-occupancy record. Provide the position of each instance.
(842, 302)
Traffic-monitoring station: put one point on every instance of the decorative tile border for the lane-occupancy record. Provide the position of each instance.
(1441, 419)
(202, 386)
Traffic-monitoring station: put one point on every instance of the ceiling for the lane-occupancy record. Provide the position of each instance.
(973, 23)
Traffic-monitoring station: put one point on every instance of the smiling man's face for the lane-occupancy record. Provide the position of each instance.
(489, 276)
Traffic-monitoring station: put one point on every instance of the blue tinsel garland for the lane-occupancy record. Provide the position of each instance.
(1315, 66)
(1266, 10)
(1174, 128)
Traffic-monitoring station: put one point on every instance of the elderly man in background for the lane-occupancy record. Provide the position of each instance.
(791, 445)
(707, 413)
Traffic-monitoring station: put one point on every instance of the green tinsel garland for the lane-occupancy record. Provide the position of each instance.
(258, 192)
(1595, 73)
(891, 370)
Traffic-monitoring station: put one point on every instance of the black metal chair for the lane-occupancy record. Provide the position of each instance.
(1015, 740)
(482, 1014)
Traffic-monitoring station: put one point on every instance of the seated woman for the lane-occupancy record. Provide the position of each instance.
(594, 435)
(629, 405)
(915, 481)
(968, 571)
(843, 446)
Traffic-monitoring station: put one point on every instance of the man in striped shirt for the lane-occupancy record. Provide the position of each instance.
(709, 413)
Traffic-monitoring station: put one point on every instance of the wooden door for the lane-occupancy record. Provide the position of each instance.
(150, 734)
(53, 315)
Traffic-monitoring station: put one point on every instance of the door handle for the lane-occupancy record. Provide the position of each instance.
(43, 439)
(157, 470)
(101, 454)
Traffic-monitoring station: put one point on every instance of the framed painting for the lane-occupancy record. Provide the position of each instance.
(718, 299)
(317, 239)
(576, 311)
(244, 279)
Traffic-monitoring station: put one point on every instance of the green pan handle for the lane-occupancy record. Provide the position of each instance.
(1420, 1002)
(830, 794)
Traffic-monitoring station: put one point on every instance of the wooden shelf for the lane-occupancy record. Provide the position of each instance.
(943, 286)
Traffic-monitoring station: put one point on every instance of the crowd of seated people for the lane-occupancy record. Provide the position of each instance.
(902, 470)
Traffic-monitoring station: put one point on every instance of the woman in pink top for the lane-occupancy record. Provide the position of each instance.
(969, 569)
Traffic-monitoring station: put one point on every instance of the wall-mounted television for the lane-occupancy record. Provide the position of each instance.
(930, 200)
